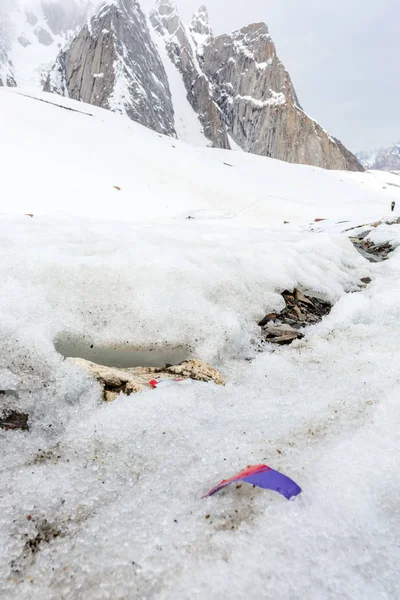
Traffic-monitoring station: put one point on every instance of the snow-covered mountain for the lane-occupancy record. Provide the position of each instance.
(240, 94)
(32, 32)
(384, 159)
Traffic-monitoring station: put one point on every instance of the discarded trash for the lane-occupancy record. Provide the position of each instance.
(156, 382)
(264, 477)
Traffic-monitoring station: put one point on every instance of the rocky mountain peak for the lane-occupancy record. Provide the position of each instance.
(113, 63)
(200, 24)
(239, 90)
(383, 159)
(165, 16)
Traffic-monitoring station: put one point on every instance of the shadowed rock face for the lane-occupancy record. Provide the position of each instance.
(181, 48)
(114, 64)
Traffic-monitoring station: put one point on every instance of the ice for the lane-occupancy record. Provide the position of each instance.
(106, 500)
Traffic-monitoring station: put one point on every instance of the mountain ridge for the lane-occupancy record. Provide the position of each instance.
(227, 91)
(386, 158)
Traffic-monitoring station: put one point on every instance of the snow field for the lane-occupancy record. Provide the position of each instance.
(121, 484)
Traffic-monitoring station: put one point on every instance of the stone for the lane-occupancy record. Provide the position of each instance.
(283, 334)
(300, 297)
(134, 380)
(267, 319)
(300, 311)
(13, 420)
(196, 369)
(368, 249)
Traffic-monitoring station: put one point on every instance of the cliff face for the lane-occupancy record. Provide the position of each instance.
(114, 64)
(242, 74)
(182, 51)
(235, 84)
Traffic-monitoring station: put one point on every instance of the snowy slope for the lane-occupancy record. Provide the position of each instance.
(105, 500)
(168, 173)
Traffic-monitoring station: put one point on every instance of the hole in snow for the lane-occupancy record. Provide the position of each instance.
(121, 356)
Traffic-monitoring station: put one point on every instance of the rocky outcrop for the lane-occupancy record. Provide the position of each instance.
(300, 311)
(182, 51)
(117, 381)
(260, 105)
(242, 74)
(384, 159)
(113, 63)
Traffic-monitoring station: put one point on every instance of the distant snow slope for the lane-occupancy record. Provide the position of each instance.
(158, 176)
(105, 500)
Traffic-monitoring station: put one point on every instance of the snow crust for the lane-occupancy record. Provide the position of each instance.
(121, 484)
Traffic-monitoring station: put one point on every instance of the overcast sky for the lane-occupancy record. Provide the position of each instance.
(343, 56)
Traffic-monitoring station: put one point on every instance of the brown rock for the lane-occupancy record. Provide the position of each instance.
(13, 420)
(267, 319)
(131, 381)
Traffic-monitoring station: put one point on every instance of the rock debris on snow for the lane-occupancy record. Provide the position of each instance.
(300, 311)
(117, 381)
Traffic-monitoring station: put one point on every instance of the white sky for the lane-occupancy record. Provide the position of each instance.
(343, 56)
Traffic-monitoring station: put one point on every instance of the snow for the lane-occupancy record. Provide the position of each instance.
(233, 145)
(252, 189)
(121, 484)
(276, 99)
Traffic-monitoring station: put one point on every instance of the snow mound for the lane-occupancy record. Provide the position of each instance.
(106, 500)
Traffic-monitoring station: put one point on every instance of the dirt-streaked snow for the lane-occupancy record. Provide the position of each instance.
(105, 500)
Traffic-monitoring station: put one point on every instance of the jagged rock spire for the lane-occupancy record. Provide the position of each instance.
(201, 23)
(165, 16)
